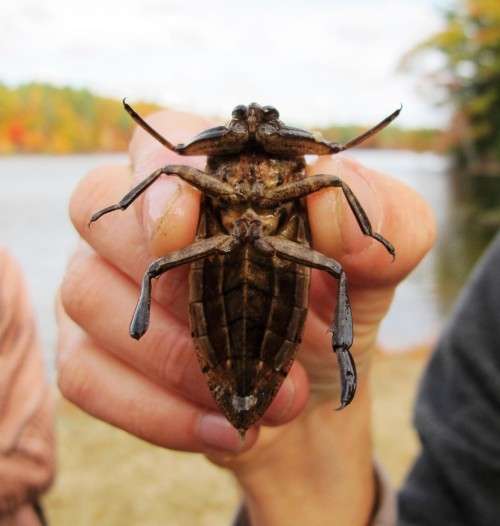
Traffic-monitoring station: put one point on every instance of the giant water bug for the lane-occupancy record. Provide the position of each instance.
(251, 260)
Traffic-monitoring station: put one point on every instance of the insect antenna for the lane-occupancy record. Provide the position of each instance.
(367, 134)
(145, 126)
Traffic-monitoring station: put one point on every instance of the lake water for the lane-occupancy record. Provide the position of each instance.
(34, 225)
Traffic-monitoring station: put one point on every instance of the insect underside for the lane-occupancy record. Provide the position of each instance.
(251, 260)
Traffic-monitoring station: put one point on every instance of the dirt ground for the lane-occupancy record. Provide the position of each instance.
(107, 477)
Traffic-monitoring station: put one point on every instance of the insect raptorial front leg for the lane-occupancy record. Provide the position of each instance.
(314, 183)
(218, 244)
(288, 140)
(206, 183)
(342, 329)
(214, 141)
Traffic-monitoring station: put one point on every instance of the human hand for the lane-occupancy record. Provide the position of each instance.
(154, 388)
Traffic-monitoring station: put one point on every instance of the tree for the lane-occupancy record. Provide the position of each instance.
(470, 76)
(39, 117)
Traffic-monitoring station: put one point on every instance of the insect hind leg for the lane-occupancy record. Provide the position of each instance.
(342, 339)
(342, 326)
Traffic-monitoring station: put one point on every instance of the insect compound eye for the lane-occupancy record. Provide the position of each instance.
(270, 113)
(240, 112)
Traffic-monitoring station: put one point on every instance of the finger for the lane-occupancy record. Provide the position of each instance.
(120, 239)
(168, 213)
(169, 209)
(110, 390)
(291, 399)
(166, 353)
(395, 211)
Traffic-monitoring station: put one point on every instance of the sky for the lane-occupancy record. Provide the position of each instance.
(318, 61)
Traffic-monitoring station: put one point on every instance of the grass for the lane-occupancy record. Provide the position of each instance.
(107, 477)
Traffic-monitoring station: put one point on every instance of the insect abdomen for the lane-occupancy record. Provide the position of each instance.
(247, 315)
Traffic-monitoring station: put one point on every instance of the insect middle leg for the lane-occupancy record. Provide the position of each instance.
(342, 328)
(314, 183)
(206, 247)
(200, 180)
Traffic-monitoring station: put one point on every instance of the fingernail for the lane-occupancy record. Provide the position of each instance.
(157, 202)
(217, 433)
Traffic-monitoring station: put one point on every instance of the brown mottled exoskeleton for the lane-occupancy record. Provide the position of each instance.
(251, 261)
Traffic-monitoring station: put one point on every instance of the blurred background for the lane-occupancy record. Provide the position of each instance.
(330, 66)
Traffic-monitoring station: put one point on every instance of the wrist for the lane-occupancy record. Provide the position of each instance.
(321, 464)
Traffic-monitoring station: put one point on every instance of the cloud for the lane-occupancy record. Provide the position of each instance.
(318, 62)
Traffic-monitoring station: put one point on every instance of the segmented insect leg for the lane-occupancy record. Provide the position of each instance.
(198, 250)
(200, 180)
(214, 141)
(294, 141)
(312, 184)
(342, 324)
(342, 339)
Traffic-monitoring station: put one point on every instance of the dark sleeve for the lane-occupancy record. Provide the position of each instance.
(241, 518)
(456, 479)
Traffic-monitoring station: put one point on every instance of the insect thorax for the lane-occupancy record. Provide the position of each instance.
(256, 167)
(252, 174)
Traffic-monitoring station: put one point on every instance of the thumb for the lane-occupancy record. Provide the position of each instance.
(169, 209)
(395, 211)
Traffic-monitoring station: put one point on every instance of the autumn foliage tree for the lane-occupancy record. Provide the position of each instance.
(39, 117)
(470, 76)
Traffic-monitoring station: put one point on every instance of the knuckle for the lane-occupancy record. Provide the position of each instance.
(77, 285)
(174, 363)
(172, 287)
(72, 379)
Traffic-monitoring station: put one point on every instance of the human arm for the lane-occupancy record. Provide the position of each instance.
(26, 411)
(456, 477)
